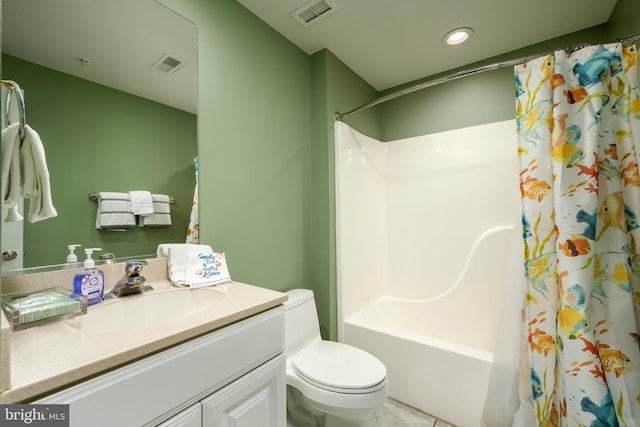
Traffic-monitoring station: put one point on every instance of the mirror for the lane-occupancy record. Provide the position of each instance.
(111, 87)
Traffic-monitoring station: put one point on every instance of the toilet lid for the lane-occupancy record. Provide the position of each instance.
(339, 367)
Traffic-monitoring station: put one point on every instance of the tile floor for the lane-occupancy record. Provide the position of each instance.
(397, 414)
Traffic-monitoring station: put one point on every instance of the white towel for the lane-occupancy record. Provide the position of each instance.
(161, 198)
(25, 173)
(11, 191)
(161, 216)
(114, 211)
(141, 202)
(177, 261)
(35, 179)
(164, 248)
(108, 205)
(206, 269)
(161, 208)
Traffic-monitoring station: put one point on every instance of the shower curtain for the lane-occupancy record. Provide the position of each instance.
(193, 231)
(578, 116)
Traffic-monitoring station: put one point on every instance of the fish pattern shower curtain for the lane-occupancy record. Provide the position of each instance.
(193, 231)
(578, 121)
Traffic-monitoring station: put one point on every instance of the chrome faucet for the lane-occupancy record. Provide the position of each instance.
(131, 283)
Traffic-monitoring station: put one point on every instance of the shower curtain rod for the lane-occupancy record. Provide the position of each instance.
(458, 75)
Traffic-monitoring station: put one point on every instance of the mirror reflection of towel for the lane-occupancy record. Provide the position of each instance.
(25, 173)
(141, 202)
(35, 178)
(161, 216)
(10, 180)
(114, 211)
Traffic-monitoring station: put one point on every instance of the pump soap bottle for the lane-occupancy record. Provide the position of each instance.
(72, 258)
(90, 282)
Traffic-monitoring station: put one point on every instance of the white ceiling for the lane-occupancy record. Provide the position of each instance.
(121, 38)
(386, 42)
(391, 42)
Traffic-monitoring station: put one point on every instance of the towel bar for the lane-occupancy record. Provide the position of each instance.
(94, 196)
(13, 87)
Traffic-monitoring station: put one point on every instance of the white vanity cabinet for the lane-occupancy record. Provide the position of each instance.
(231, 376)
(190, 417)
(252, 400)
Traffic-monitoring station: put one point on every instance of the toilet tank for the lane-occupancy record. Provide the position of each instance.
(301, 326)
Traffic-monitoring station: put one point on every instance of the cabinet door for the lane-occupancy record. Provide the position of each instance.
(257, 399)
(190, 417)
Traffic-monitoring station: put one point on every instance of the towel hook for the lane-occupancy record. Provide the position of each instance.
(22, 119)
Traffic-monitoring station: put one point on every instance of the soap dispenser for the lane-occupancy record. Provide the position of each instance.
(72, 258)
(90, 281)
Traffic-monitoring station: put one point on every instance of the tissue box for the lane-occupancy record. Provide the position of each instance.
(25, 310)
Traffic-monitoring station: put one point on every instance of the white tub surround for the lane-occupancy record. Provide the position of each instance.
(424, 227)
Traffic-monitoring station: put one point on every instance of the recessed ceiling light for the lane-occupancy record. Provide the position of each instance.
(457, 36)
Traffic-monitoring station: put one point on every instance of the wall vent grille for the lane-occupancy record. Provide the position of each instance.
(167, 64)
(313, 11)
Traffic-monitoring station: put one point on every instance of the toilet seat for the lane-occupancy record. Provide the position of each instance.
(339, 368)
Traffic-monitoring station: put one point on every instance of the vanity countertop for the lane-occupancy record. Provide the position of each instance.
(55, 355)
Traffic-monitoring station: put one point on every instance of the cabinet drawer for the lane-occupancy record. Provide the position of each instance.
(152, 389)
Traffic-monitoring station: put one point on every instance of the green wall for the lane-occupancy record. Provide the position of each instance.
(265, 137)
(487, 97)
(335, 88)
(625, 20)
(100, 139)
(254, 146)
(483, 98)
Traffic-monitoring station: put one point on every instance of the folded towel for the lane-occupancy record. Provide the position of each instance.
(161, 216)
(141, 202)
(109, 205)
(35, 177)
(177, 262)
(114, 211)
(164, 248)
(161, 198)
(206, 269)
(119, 221)
(113, 195)
(161, 207)
(159, 220)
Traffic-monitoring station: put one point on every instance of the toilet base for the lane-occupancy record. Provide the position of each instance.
(301, 414)
(298, 415)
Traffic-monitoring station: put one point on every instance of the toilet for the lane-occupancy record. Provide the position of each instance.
(328, 383)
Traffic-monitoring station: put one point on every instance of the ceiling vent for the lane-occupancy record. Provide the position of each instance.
(167, 64)
(313, 11)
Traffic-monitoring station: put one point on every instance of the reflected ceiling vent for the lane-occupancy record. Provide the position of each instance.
(313, 11)
(167, 64)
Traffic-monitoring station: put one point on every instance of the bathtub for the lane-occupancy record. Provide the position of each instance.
(424, 236)
(439, 351)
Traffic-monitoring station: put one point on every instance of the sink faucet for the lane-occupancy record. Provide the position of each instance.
(131, 283)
